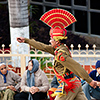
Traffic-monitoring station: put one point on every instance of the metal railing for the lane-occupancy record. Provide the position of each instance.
(84, 57)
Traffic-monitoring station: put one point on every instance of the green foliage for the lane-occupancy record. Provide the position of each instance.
(34, 9)
(1, 6)
(31, 52)
(33, 26)
(42, 60)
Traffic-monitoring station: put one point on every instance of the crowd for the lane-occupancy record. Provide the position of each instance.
(34, 84)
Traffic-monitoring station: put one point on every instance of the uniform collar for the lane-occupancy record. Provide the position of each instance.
(57, 48)
(59, 45)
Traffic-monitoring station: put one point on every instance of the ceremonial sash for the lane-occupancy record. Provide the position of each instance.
(67, 84)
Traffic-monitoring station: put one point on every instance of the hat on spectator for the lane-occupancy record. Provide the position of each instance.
(97, 64)
(58, 20)
(2, 64)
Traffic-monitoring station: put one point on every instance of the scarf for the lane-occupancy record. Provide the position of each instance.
(66, 83)
(31, 77)
(4, 76)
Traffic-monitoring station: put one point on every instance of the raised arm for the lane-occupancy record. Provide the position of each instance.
(37, 45)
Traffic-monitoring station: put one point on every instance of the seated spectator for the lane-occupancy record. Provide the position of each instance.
(9, 83)
(34, 83)
(54, 85)
(90, 91)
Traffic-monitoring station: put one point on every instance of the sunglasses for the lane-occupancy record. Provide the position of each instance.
(3, 68)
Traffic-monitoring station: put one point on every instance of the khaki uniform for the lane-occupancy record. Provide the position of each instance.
(67, 64)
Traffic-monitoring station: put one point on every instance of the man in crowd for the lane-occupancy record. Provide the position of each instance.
(90, 91)
(9, 83)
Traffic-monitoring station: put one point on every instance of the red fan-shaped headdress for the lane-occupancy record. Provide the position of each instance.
(58, 20)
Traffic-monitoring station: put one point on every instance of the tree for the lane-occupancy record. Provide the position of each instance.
(19, 26)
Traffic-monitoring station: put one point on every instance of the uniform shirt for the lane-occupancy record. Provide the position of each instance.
(41, 81)
(59, 65)
(11, 79)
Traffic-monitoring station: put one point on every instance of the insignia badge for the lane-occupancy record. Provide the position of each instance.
(56, 52)
(62, 58)
(59, 56)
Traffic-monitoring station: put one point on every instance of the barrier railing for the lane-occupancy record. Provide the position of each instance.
(87, 58)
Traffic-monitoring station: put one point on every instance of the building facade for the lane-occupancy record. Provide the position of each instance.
(87, 13)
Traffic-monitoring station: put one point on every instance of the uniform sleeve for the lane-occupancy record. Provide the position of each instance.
(73, 66)
(24, 86)
(45, 83)
(40, 46)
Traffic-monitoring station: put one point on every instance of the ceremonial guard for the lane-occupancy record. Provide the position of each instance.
(64, 66)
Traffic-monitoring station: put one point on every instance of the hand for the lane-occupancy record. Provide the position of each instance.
(12, 88)
(33, 90)
(20, 39)
(98, 84)
(93, 84)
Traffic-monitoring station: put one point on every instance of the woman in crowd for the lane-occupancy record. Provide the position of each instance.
(34, 84)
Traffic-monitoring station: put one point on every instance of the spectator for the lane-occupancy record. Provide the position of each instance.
(34, 83)
(54, 86)
(8, 86)
(90, 91)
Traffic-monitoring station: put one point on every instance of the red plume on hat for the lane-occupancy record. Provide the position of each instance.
(58, 20)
